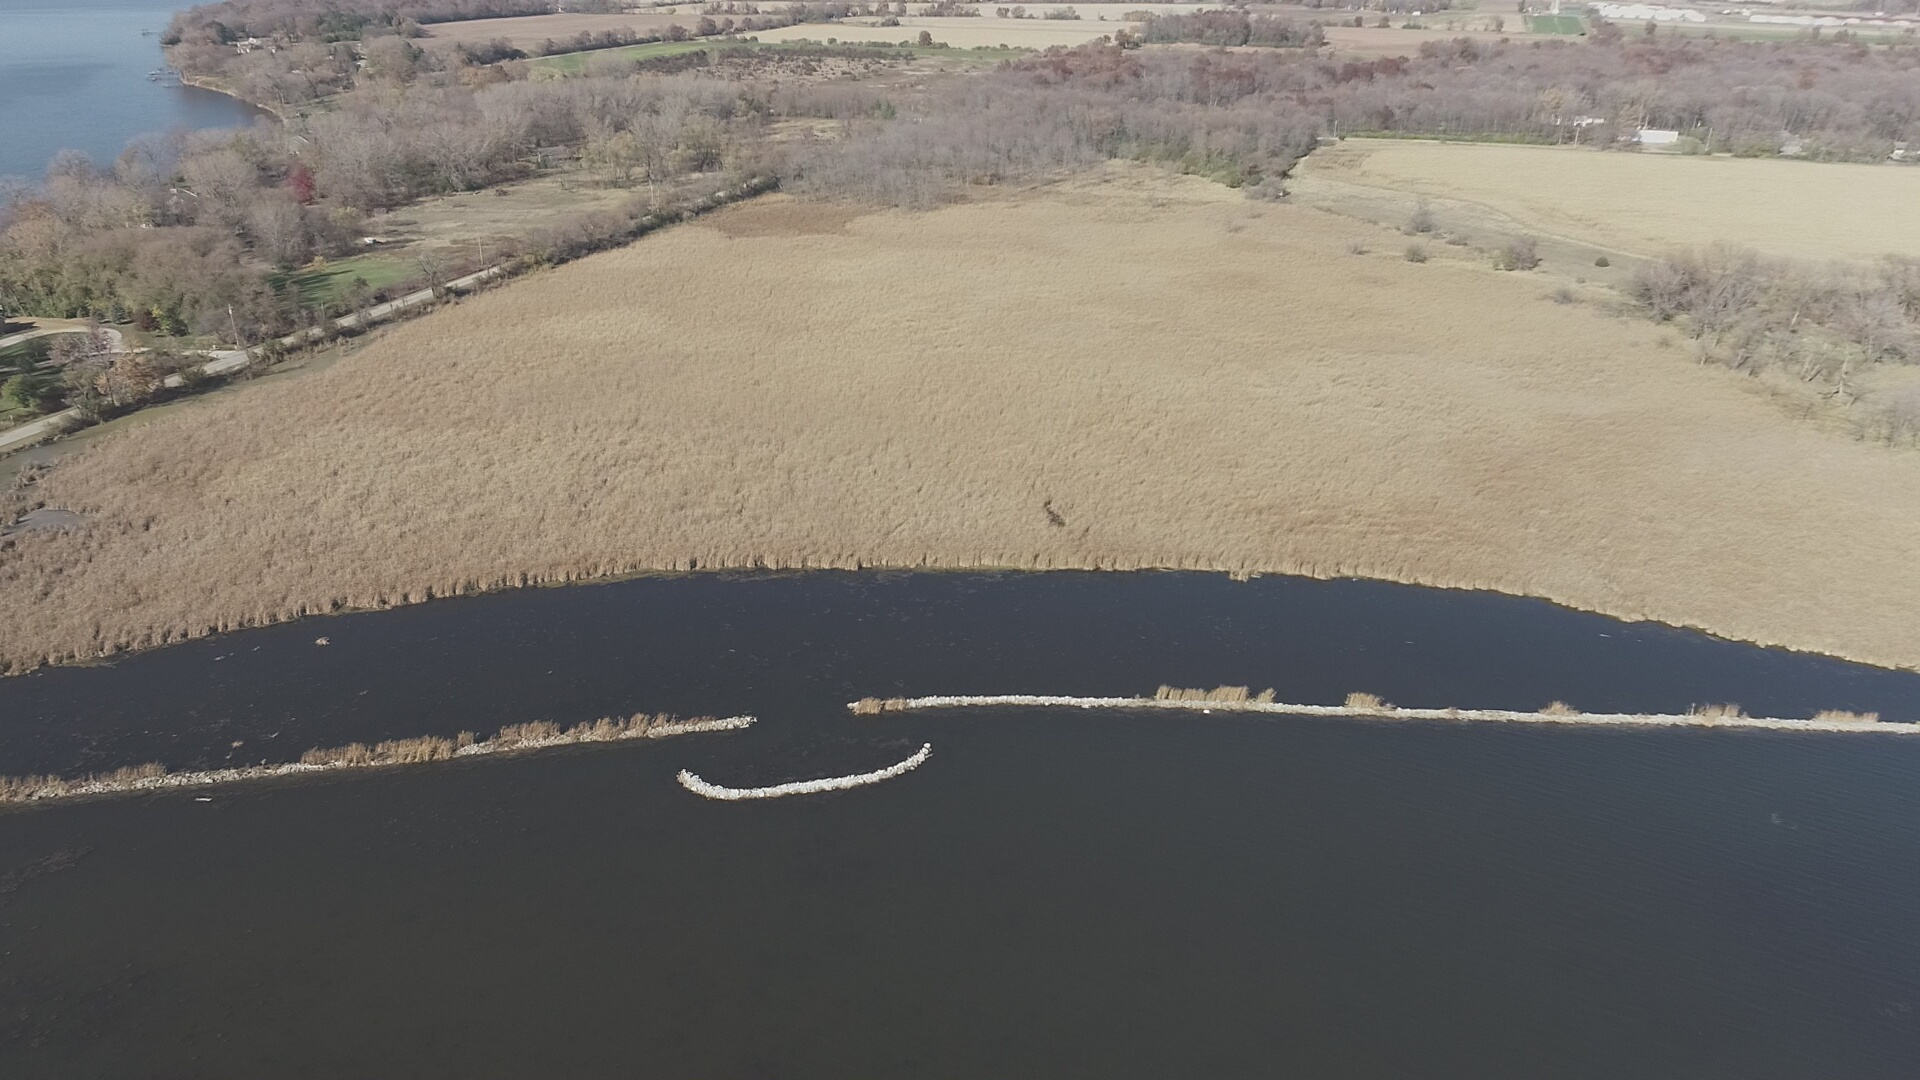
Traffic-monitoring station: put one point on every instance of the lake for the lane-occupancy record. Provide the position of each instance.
(73, 75)
(1060, 893)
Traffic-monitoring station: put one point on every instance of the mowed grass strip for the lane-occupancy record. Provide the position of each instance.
(580, 63)
(332, 282)
(576, 63)
(1127, 371)
(1556, 24)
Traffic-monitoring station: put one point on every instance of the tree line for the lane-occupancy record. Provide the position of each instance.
(1225, 28)
(194, 233)
(1247, 117)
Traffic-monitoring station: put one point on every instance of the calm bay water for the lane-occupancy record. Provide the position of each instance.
(1076, 894)
(73, 75)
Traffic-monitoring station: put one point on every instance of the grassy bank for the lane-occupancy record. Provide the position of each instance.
(330, 284)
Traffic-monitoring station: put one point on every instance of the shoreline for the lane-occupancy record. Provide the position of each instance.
(214, 86)
(805, 565)
(707, 789)
(1359, 707)
(511, 740)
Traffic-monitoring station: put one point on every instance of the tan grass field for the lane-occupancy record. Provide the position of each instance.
(462, 219)
(961, 33)
(1369, 42)
(1189, 379)
(528, 31)
(1648, 204)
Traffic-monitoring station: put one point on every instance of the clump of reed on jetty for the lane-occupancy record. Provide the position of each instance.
(1371, 706)
(511, 739)
(710, 790)
(1217, 694)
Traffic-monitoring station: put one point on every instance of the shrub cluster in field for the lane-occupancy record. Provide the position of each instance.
(1226, 28)
(1822, 324)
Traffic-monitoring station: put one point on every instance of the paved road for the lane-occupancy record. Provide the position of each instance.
(119, 339)
(228, 361)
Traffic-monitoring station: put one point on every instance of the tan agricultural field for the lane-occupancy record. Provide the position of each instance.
(1644, 203)
(527, 32)
(961, 33)
(1088, 12)
(1187, 378)
(1368, 42)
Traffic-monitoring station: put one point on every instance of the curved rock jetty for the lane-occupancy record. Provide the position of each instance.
(710, 790)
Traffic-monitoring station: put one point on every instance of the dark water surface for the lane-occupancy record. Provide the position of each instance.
(73, 75)
(1053, 894)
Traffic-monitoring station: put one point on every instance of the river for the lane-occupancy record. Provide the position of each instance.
(73, 75)
(1061, 893)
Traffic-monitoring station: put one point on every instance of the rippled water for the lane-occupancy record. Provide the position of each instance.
(1053, 893)
(73, 75)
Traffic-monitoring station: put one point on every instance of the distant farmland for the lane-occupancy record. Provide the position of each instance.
(1556, 24)
(527, 32)
(581, 63)
(1129, 371)
(1650, 203)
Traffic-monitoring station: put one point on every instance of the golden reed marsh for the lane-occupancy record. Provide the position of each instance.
(422, 750)
(1127, 371)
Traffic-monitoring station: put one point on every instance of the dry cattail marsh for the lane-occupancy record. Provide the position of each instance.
(422, 750)
(1098, 374)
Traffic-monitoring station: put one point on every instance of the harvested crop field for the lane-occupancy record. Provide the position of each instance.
(1375, 41)
(961, 33)
(1127, 371)
(1646, 203)
(528, 31)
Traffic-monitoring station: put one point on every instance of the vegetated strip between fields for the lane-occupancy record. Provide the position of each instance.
(695, 784)
(1237, 699)
(512, 739)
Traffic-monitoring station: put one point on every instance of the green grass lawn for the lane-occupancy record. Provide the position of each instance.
(323, 285)
(30, 351)
(1556, 24)
(576, 63)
